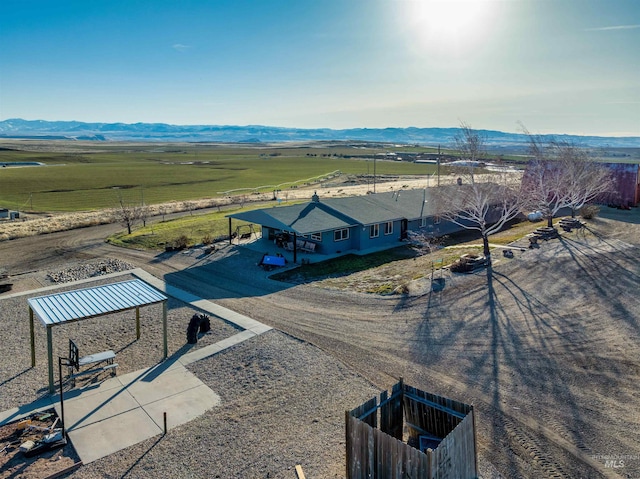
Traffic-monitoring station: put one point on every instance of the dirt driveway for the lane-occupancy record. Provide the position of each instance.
(546, 346)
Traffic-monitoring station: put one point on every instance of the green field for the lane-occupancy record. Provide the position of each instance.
(80, 177)
(197, 229)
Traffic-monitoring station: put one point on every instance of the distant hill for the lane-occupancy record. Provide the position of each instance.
(76, 130)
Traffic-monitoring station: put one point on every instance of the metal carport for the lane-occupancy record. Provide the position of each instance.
(56, 309)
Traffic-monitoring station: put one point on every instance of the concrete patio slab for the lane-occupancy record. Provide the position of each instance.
(84, 410)
(126, 410)
(166, 385)
(112, 434)
(182, 408)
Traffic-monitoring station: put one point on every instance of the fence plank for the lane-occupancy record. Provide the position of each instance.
(375, 453)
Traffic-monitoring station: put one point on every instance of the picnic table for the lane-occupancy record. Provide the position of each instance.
(268, 262)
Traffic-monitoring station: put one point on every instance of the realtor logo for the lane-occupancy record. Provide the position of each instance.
(614, 463)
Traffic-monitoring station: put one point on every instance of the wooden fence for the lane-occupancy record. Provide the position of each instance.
(374, 433)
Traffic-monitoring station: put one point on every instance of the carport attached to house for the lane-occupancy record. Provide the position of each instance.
(60, 308)
(298, 220)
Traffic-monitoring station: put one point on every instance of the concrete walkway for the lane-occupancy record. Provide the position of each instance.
(122, 411)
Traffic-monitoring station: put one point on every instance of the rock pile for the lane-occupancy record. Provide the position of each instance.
(89, 270)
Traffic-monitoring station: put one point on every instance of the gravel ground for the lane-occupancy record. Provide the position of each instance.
(272, 386)
(283, 404)
(22, 384)
(546, 349)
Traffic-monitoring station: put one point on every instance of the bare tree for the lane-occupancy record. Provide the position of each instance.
(586, 178)
(144, 214)
(163, 211)
(561, 175)
(189, 206)
(127, 214)
(481, 202)
(424, 242)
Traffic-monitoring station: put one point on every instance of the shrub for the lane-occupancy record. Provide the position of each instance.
(207, 239)
(467, 263)
(181, 242)
(589, 212)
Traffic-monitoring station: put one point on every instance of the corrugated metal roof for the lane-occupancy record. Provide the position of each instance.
(91, 302)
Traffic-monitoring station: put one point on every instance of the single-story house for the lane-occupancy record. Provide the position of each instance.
(350, 224)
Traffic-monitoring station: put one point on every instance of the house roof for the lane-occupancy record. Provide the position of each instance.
(382, 207)
(303, 218)
(335, 213)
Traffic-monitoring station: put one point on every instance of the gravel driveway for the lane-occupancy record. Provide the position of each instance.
(546, 347)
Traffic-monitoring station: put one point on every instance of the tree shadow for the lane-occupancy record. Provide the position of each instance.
(508, 342)
(599, 264)
(15, 376)
(141, 458)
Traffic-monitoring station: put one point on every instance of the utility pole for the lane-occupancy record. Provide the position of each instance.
(374, 171)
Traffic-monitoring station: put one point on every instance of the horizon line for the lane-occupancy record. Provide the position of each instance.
(249, 125)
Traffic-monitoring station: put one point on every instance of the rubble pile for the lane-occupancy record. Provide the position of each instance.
(89, 270)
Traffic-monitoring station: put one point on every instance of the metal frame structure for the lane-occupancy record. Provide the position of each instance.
(76, 305)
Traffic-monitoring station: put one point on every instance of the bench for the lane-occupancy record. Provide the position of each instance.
(76, 361)
(308, 247)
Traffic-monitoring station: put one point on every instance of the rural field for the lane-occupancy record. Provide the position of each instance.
(80, 176)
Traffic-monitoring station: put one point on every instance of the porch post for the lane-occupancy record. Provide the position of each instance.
(295, 247)
(230, 231)
(164, 330)
(137, 322)
(50, 357)
(33, 338)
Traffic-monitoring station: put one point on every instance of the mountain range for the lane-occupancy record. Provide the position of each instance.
(76, 130)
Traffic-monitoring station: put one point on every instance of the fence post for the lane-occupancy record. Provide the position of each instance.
(348, 443)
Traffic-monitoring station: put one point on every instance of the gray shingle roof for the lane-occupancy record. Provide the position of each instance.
(335, 213)
(302, 219)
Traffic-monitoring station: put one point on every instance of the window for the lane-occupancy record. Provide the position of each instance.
(316, 236)
(341, 235)
(388, 227)
(374, 231)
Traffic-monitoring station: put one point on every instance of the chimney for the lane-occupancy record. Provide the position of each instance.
(315, 198)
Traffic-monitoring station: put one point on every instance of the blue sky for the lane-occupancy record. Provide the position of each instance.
(557, 66)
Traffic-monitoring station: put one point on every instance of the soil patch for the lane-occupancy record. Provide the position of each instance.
(16, 463)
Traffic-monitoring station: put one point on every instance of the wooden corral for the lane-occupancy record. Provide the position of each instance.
(443, 428)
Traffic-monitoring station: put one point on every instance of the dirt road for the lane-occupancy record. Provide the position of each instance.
(546, 346)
